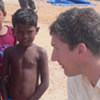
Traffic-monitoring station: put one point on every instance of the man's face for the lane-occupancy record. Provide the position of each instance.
(64, 56)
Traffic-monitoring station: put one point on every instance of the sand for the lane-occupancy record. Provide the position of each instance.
(47, 14)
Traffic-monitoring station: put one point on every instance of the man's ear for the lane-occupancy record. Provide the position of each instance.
(81, 48)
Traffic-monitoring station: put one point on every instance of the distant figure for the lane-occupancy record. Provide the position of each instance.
(76, 47)
(26, 61)
(27, 3)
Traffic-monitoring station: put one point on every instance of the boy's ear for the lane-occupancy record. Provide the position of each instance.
(37, 29)
(5, 13)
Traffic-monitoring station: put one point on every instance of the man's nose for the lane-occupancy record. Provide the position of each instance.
(54, 56)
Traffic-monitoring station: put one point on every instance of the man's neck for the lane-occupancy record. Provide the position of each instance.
(93, 75)
(94, 81)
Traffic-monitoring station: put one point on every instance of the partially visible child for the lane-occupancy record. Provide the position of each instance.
(7, 37)
(26, 61)
(27, 3)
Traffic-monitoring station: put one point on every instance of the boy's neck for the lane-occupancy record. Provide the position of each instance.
(25, 46)
(3, 30)
(1, 27)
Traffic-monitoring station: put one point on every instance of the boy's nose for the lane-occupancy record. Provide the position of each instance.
(25, 35)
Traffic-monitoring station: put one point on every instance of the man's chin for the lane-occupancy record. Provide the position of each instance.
(67, 74)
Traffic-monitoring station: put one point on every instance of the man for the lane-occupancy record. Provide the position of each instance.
(76, 47)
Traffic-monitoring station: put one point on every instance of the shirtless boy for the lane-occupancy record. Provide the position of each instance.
(25, 61)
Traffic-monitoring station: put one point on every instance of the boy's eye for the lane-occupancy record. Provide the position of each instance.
(29, 32)
(20, 33)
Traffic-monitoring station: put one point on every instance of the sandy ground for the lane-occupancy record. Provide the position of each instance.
(47, 13)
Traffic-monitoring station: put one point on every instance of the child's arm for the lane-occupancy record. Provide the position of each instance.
(44, 75)
(4, 75)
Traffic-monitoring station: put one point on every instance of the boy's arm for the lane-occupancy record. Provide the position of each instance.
(44, 76)
(4, 75)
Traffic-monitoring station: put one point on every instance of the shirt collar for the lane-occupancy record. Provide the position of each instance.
(98, 83)
(84, 78)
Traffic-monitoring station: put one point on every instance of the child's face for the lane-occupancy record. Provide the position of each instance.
(2, 16)
(25, 34)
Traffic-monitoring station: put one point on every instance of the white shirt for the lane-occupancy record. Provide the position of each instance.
(79, 88)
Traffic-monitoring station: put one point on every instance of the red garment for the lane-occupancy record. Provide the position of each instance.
(6, 40)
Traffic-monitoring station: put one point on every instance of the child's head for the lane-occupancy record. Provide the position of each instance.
(2, 8)
(25, 17)
(25, 26)
(78, 25)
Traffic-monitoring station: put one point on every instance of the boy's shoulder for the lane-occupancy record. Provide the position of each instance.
(40, 49)
(10, 49)
(10, 29)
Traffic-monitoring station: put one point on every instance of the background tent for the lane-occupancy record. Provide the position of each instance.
(69, 2)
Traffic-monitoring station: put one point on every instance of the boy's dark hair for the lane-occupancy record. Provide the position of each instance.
(25, 16)
(78, 26)
(2, 7)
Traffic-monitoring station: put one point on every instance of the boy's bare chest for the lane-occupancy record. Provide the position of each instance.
(25, 59)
